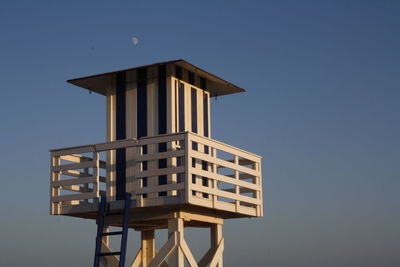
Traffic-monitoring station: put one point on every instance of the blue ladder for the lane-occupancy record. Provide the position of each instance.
(102, 214)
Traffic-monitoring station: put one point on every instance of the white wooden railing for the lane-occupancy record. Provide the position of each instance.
(196, 170)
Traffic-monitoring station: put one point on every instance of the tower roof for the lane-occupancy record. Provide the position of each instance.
(100, 83)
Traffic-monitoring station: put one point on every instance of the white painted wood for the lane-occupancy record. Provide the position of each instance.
(186, 251)
(160, 188)
(54, 178)
(74, 166)
(224, 194)
(110, 155)
(152, 128)
(73, 197)
(83, 180)
(160, 155)
(224, 147)
(248, 205)
(217, 260)
(176, 229)
(137, 260)
(164, 252)
(157, 172)
(223, 163)
(225, 179)
(148, 247)
(96, 175)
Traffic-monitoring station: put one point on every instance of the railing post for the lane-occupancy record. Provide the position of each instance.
(96, 191)
(54, 177)
(259, 210)
(214, 168)
(187, 168)
(237, 190)
(138, 182)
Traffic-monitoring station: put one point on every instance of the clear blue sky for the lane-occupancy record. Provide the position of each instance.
(322, 107)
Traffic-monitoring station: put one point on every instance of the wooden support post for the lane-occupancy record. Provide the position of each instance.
(148, 247)
(216, 241)
(175, 226)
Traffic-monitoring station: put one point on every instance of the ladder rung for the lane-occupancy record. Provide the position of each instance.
(109, 253)
(112, 233)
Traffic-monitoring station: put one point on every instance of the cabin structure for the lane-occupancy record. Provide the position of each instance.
(159, 168)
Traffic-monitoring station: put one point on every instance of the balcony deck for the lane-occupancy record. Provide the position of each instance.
(204, 177)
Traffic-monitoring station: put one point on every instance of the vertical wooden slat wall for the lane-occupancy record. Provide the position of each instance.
(148, 80)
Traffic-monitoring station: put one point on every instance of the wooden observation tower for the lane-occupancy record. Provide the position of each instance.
(159, 167)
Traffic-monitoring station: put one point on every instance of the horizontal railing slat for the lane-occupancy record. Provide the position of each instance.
(240, 203)
(161, 139)
(224, 147)
(242, 176)
(160, 188)
(75, 150)
(81, 196)
(75, 158)
(159, 172)
(224, 194)
(83, 180)
(225, 179)
(76, 188)
(222, 162)
(74, 166)
(161, 155)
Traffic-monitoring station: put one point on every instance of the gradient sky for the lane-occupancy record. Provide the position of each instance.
(322, 108)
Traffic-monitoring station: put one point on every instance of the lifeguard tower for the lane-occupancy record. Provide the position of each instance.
(159, 167)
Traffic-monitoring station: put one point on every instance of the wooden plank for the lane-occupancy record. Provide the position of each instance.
(110, 154)
(96, 160)
(164, 252)
(54, 177)
(160, 155)
(224, 194)
(74, 166)
(75, 158)
(116, 145)
(76, 188)
(242, 190)
(186, 251)
(73, 197)
(187, 167)
(74, 150)
(217, 258)
(242, 161)
(206, 258)
(242, 176)
(160, 201)
(163, 138)
(83, 180)
(137, 260)
(224, 163)
(160, 188)
(200, 201)
(248, 210)
(222, 205)
(225, 147)
(225, 179)
(148, 247)
(73, 173)
(158, 172)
